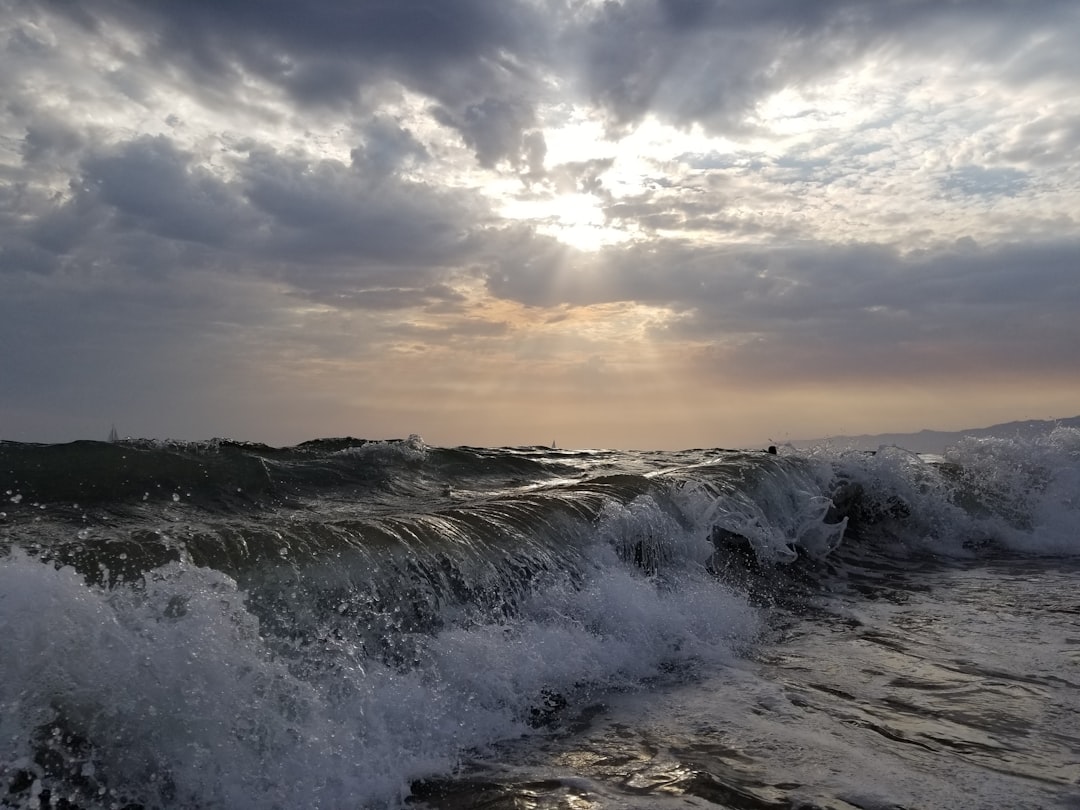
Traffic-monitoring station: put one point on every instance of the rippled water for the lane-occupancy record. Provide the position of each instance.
(921, 685)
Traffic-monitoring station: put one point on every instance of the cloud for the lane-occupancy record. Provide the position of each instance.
(276, 40)
(151, 186)
(496, 130)
(49, 140)
(821, 311)
(875, 314)
(387, 149)
(326, 211)
(280, 202)
(476, 60)
(711, 62)
(262, 211)
(389, 298)
(1050, 141)
(983, 181)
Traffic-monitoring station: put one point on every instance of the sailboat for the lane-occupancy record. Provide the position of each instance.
(113, 435)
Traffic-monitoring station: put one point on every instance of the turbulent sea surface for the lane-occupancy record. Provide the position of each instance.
(381, 624)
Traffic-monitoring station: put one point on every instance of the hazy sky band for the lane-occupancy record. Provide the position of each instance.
(635, 224)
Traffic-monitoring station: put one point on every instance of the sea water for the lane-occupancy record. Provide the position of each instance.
(352, 623)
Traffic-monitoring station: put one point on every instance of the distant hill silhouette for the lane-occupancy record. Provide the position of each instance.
(937, 441)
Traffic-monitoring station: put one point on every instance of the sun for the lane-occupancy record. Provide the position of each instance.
(588, 171)
(575, 219)
(569, 202)
(581, 223)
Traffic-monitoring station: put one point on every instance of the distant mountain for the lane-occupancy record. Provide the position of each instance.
(936, 441)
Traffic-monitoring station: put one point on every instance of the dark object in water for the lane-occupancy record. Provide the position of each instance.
(851, 500)
(735, 547)
(548, 710)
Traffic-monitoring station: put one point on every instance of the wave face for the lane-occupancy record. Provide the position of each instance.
(220, 624)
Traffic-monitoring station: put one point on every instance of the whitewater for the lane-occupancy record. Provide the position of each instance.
(354, 623)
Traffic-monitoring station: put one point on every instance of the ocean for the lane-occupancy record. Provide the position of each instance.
(385, 624)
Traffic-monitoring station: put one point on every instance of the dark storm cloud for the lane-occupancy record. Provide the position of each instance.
(325, 210)
(387, 148)
(50, 140)
(318, 222)
(711, 61)
(873, 313)
(479, 63)
(151, 186)
(140, 207)
(475, 59)
(643, 57)
(486, 66)
(496, 130)
(279, 40)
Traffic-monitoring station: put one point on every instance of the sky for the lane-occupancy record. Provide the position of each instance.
(631, 224)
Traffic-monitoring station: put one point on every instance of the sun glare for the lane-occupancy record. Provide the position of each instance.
(584, 171)
(575, 219)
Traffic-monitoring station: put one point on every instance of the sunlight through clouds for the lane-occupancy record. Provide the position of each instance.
(577, 220)
(634, 205)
